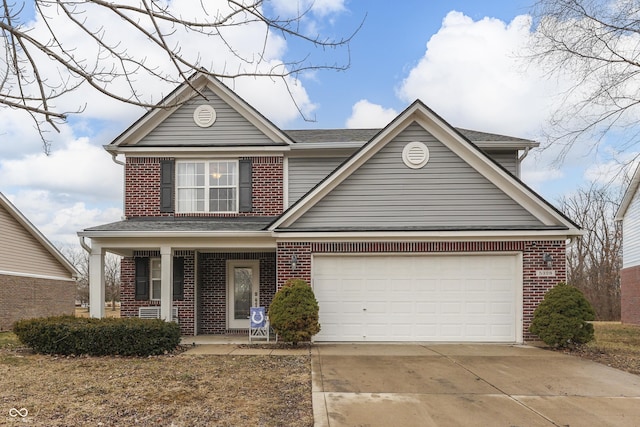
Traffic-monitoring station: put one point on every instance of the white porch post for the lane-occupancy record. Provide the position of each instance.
(166, 279)
(96, 282)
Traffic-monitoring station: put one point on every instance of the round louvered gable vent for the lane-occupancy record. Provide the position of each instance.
(204, 116)
(415, 155)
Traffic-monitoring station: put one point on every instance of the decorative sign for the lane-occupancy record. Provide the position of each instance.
(258, 318)
(545, 273)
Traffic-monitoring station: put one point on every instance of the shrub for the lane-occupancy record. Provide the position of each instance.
(561, 319)
(70, 335)
(293, 313)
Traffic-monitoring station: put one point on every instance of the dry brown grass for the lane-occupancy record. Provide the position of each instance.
(615, 345)
(108, 312)
(175, 390)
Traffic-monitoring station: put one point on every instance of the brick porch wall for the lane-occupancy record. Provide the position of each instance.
(27, 297)
(212, 289)
(129, 305)
(142, 188)
(630, 295)
(534, 288)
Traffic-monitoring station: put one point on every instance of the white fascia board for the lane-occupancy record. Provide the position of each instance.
(172, 234)
(507, 144)
(337, 145)
(35, 276)
(629, 194)
(198, 151)
(479, 235)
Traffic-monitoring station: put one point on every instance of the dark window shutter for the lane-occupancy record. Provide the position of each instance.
(166, 185)
(142, 279)
(178, 278)
(245, 199)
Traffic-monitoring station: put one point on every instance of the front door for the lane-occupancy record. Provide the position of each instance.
(243, 291)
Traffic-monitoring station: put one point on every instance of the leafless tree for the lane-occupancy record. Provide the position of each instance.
(80, 259)
(594, 261)
(596, 45)
(39, 66)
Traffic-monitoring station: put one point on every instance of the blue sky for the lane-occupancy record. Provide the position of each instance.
(458, 57)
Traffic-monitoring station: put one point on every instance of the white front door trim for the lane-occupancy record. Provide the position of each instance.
(254, 266)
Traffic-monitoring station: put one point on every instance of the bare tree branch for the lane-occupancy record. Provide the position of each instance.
(42, 62)
(596, 45)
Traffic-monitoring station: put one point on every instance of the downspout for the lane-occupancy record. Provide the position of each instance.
(124, 185)
(521, 158)
(84, 244)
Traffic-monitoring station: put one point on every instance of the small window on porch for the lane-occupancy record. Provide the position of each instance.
(156, 272)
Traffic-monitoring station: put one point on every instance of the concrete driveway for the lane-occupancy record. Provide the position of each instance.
(467, 385)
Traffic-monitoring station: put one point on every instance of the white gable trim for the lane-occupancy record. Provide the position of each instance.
(629, 195)
(452, 139)
(186, 92)
(31, 229)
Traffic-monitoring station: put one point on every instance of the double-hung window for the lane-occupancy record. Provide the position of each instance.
(156, 284)
(210, 186)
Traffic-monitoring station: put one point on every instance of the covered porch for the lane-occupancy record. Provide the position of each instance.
(204, 280)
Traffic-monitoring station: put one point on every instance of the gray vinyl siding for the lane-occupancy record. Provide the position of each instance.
(305, 173)
(507, 159)
(20, 252)
(230, 127)
(447, 192)
(631, 233)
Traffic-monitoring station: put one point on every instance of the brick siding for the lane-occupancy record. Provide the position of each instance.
(212, 291)
(630, 295)
(129, 305)
(27, 297)
(142, 188)
(534, 288)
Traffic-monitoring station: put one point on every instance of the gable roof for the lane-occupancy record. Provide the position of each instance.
(456, 142)
(185, 92)
(33, 231)
(629, 194)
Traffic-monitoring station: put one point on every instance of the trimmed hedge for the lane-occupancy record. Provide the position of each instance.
(69, 335)
(562, 318)
(293, 313)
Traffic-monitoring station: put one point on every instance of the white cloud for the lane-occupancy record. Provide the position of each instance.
(321, 8)
(58, 220)
(613, 172)
(365, 114)
(79, 169)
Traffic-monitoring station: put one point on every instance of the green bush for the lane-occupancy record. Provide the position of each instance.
(562, 318)
(293, 313)
(70, 335)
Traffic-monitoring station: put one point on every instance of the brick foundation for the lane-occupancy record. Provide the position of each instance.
(630, 295)
(27, 297)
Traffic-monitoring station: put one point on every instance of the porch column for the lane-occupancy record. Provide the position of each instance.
(96, 282)
(166, 283)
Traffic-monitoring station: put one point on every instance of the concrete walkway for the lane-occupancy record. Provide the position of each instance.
(467, 385)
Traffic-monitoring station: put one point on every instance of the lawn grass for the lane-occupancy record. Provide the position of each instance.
(172, 390)
(8, 339)
(615, 345)
(616, 336)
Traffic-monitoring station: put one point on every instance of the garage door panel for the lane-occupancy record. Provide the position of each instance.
(417, 297)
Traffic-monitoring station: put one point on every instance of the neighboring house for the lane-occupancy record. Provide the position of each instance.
(629, 214)
(415, 232)
(36, 280)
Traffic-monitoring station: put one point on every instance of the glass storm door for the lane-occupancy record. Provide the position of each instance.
(243, 292)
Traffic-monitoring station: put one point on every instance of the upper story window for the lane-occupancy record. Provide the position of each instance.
(210, 186)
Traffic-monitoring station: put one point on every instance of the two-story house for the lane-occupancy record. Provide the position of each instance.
(414, 232)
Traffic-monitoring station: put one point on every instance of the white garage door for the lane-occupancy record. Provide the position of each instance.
(455, 298)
